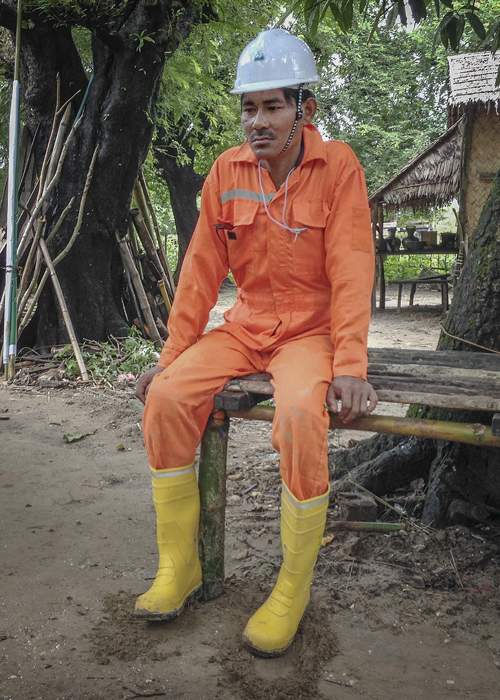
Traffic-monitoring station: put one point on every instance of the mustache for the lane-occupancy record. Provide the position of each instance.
(261, 135)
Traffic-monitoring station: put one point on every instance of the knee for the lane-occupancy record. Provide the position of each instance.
(301, 406)
(163, 401)
(301, 413)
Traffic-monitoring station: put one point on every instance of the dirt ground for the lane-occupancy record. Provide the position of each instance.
(403, 616)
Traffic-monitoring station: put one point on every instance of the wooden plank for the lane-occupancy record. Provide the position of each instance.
(435, 358)
(416, 370)
(471, 387)
(401, 391)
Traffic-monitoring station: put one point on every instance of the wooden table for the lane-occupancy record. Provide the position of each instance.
(381, 255)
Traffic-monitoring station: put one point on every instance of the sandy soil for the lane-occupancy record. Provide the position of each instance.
(408, 615)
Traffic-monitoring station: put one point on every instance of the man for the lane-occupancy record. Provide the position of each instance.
(288, 214)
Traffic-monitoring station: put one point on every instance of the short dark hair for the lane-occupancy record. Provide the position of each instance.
(291, 95)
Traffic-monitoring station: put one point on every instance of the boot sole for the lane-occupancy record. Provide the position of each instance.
(265, 654)
(150, 616)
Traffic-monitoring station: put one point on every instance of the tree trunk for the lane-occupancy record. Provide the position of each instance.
(464, 481)
(184, 185)
(118, 119)
(470, 474)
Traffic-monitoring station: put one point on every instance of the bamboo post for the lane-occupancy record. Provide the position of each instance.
(212, 484)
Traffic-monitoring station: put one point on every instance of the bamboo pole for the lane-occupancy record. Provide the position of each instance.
(27, 296)
(131, 268)
(59, 142)
(60, 256)
(148, 243)
(64, 311)
(156, 227)
(212, 485)
(50, 186)
(165, 297)
(10, 320)
(467, 433)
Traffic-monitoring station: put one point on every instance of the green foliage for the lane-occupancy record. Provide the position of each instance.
(407, 266)
(74, 11)
(105, 362)
(195, 108)
(386, 98)
(346, 14)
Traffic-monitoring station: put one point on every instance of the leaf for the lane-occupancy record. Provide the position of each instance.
(76, 437)
(348, 13)
(440, 33)
(418, 9)
(455, 31)
(447, 3)
(476, 24)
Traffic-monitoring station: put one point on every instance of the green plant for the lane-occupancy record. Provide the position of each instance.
(106, 361)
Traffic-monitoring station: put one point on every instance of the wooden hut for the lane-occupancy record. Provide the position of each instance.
(463, 161)
(475, 100)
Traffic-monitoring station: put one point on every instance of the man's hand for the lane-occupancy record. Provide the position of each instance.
(357, 396)
(144, 381)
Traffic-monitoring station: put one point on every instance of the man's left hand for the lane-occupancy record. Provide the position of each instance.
(357, 396)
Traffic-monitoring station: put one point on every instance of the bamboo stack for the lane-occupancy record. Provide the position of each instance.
(150, 286)
(149, 279)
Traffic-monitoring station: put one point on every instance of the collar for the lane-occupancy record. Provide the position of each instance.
(314, 148)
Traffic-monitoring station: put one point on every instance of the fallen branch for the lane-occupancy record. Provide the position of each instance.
(365, 525)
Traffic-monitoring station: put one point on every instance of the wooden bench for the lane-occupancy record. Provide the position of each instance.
(442, 280)
(467, 381)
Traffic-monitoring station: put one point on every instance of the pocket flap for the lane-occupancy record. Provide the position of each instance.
(241, 212)
(312, 213)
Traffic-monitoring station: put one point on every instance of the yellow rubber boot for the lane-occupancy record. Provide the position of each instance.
(177, 503)
(271, 630)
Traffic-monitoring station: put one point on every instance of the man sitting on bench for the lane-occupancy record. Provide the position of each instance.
(288, 214)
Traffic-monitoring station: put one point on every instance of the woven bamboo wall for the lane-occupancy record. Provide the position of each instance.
(484, 159)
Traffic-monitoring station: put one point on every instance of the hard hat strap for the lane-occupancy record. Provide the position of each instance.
(298, 116)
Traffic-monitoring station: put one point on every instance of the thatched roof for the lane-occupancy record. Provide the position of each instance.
(432, 178)
(472, 78)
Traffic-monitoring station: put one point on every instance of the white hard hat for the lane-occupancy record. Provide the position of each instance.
(274, 59)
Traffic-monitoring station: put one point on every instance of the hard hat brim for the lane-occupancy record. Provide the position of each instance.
(271, 85)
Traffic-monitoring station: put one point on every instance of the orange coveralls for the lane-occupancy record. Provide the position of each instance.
(302, 310)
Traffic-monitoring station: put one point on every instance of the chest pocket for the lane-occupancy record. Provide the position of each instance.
(309, 246)
(242, 239)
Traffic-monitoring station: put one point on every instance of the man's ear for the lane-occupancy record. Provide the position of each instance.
(309, 107)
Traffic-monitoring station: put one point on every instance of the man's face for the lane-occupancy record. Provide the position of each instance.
(267, 118)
